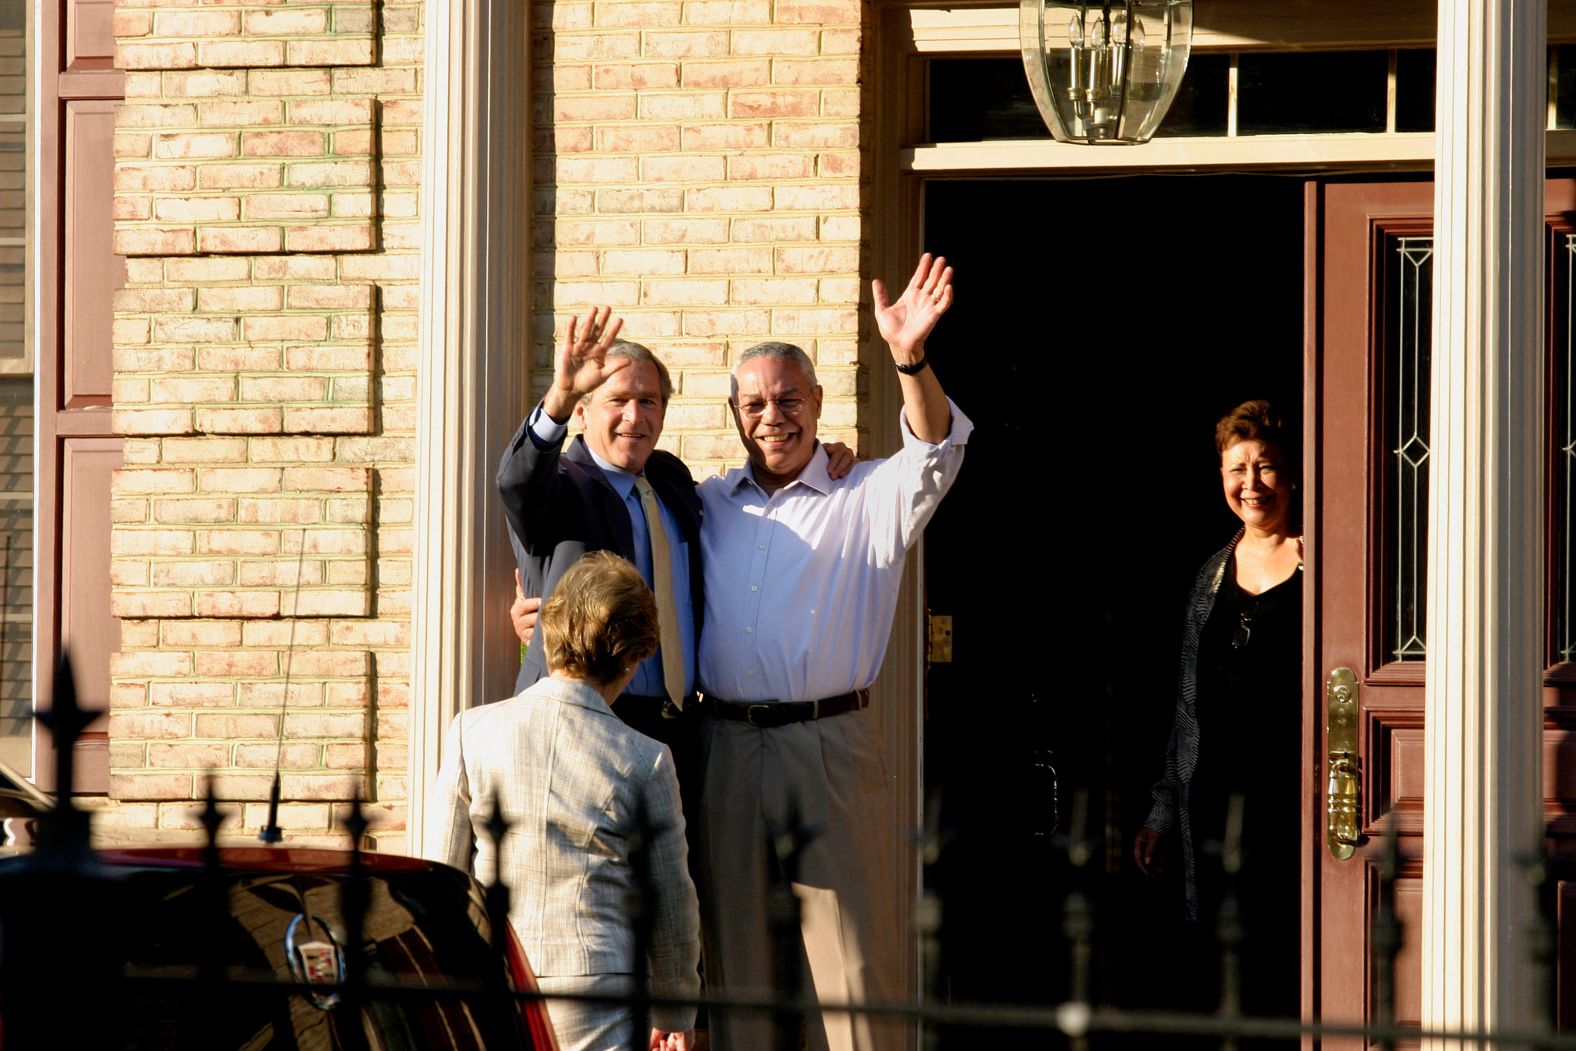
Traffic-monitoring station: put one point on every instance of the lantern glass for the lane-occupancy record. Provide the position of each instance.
(1105, 73)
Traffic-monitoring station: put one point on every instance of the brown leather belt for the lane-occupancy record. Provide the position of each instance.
(781, 713)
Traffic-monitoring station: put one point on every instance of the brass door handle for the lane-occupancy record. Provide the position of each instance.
(1343, 787)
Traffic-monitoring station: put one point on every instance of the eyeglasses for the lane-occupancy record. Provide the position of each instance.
(756, 407)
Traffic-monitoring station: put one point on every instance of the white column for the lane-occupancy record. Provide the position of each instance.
(473, 366)
(1485, 536)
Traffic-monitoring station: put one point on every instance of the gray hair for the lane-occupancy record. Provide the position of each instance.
(623, 348)
(779, 351)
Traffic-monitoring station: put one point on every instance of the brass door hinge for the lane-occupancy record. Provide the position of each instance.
(938, 645)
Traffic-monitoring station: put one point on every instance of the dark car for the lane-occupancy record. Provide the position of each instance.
(251, 954)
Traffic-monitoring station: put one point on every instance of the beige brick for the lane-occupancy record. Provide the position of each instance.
(775, 291)
(240, 176)
(241, 113)
(132, 177)
(336, 52)
(329, 173)
(200, 633)
(290, 450)
(326, 420)
(196, 23)
(327, 479)
(842, 71)
(325, 602)
(838, 165)
(240, 421)
(643, 76)
(204, 83)
(150, 115)
(127, 665)
(686, 43)
(594, 107)
(150, 604)
(683, 168)
(309, 21)
(593, 47)
(205, 145)
(600, 169)
(288, 82)
(816, 259)
(150, 786)
(727, 12)
(632, 139)
(729, 199)
(733, 136)
(640, 200)
(156, 56)
(154, 241)
(820, 135)
(152, 421)
(775, 42)
(735, 73)
(774, 228)
(292, 755)
(236, 603)
(345, 237)
(730, 261)
(815, 198)
(774, 104)
(683, 105)
(771, 166)
(231, 726)
(685, 231)
(331, 111)
(251, 542)
(727, 323)
(243, 54)
(290, 143)
(684, 292)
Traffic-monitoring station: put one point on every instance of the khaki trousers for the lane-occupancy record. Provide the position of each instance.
(829, 773)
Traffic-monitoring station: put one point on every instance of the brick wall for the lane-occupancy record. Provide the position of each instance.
(266, 199)
(697, 168)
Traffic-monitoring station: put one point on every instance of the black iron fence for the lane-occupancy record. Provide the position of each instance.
(61, 987)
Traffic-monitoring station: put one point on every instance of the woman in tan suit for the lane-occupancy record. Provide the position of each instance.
(570, 779)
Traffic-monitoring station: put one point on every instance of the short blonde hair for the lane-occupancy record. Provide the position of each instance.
(601, 620)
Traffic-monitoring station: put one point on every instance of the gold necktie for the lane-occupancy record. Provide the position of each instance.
(662, 586)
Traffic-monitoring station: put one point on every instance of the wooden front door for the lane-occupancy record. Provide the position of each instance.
(1369, 381)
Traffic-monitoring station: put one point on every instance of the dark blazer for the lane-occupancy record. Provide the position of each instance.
(561, 506)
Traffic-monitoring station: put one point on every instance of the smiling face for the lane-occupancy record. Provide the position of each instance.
(776, 410)
(1258, 488)
(623, 417)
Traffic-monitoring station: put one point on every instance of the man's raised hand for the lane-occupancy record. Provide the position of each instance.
(581, 366)
(906, 323)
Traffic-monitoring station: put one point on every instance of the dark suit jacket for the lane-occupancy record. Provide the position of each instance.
(561, 506)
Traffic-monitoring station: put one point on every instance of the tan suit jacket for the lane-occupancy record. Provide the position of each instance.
(570, 777)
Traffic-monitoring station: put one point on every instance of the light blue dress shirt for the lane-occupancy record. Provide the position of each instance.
(648, 681)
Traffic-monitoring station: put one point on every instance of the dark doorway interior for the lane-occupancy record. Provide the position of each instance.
(1101, 326)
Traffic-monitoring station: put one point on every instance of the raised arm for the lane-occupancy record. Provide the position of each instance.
(581, 365)
(905, 325)
(528, 474)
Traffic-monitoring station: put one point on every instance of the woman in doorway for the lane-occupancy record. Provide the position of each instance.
(578, 788)
(1233, 768)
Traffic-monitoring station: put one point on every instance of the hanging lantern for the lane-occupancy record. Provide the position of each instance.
(1105, 72)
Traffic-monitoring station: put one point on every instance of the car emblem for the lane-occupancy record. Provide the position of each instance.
(315, 962)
